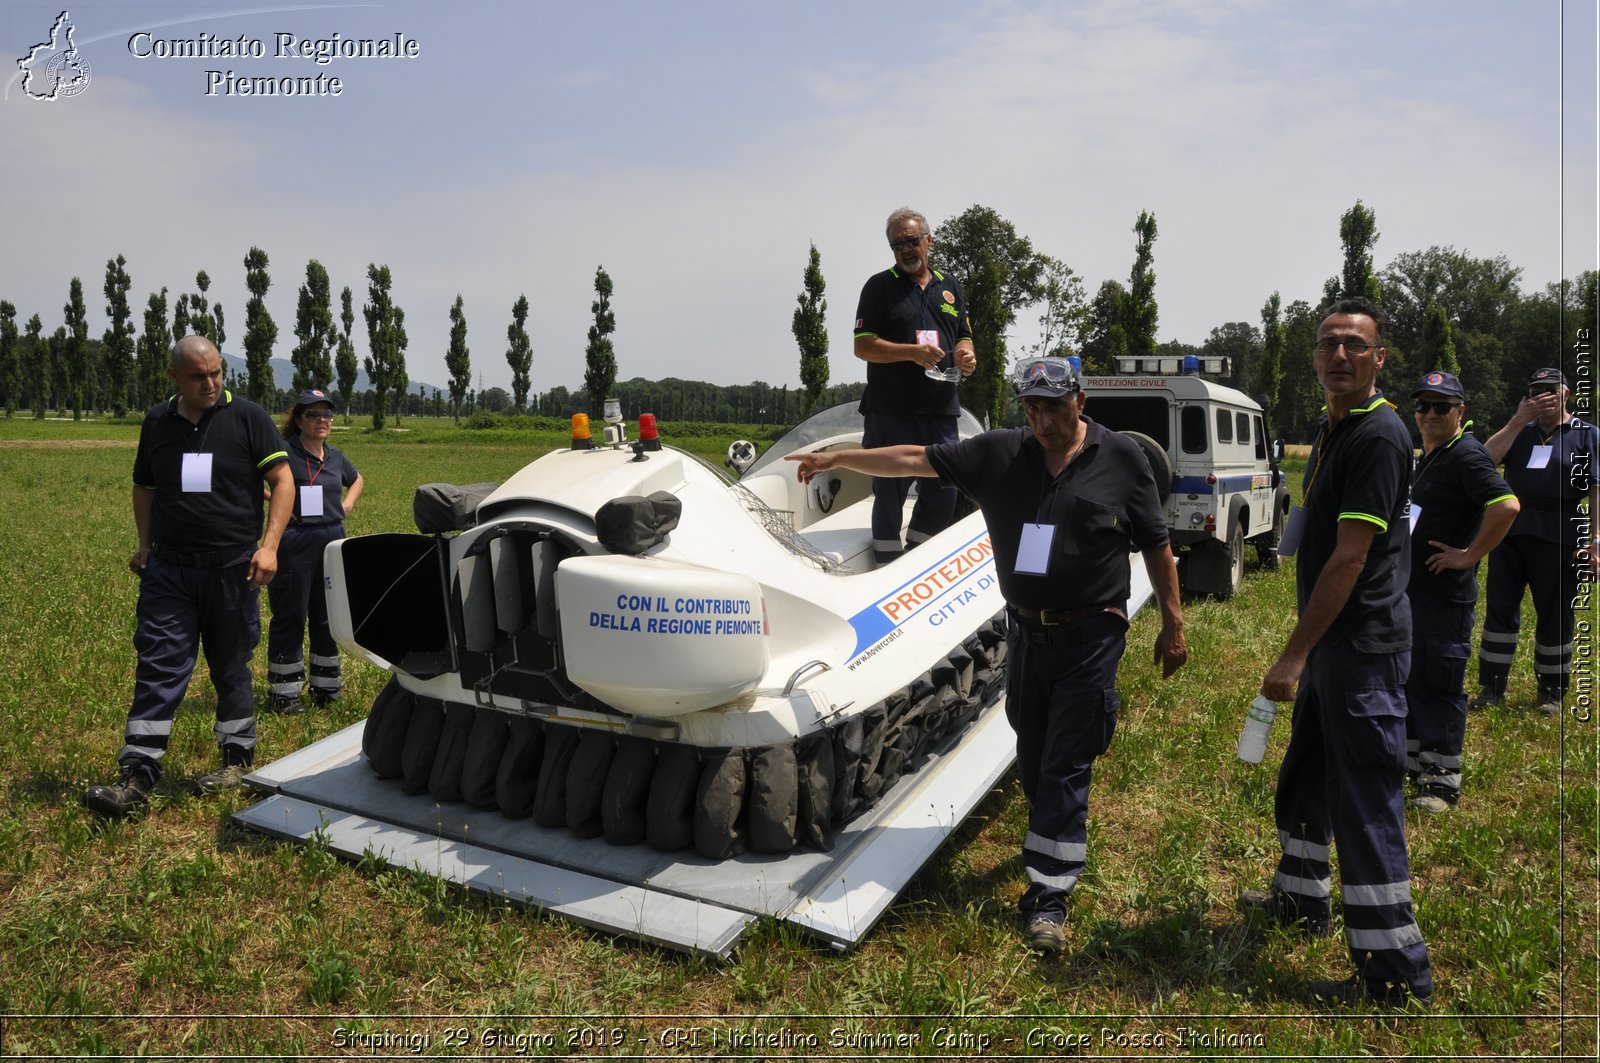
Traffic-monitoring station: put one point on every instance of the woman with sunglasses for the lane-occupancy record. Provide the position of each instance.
(326, 487)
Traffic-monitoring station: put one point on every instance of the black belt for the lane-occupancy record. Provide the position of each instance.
(1058, 617)
(1550, 505)
(202, 558)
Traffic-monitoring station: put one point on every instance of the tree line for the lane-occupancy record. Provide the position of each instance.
(1448, 310)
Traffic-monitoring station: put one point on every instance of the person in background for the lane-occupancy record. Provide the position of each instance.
(1548, 456)
(197, 507)
(326, 488)
(1460, 510)
(911, 322)
(1066, 501)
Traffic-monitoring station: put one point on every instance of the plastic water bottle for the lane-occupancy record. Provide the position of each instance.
(1257, 727)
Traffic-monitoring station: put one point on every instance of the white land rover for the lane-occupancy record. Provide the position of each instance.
(1215, 467)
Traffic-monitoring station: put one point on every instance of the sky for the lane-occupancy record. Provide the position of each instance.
(697, 149)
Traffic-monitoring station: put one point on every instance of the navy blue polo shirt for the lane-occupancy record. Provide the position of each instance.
(332, 472)
(1452, 485)
(1103, 506)
(243, 443)
(893, 307)
(1360, 471)
(1550, 495)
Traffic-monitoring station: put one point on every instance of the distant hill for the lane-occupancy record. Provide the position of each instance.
(283, 375)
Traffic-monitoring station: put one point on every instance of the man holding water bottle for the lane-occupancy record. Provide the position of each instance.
(1343, 775)
(913, 332)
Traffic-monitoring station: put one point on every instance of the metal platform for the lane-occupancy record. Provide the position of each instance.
(679, 900)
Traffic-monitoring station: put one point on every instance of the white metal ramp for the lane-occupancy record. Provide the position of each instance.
(680, 900)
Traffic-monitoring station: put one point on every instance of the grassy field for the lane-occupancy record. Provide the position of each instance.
(178, 934)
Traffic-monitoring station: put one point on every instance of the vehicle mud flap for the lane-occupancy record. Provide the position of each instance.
(870, 785)
(669, 817)
(422, 741)
(384, 738)
(719, 805)
(550, 796)
(517, 782)
(586, 781)
(774, 799)
(486, 745)
(817, 785)
(444, 781)
(625, 800)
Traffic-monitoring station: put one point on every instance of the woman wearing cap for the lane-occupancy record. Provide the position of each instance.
(326, 487)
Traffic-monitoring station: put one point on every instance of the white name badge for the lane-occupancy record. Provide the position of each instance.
(1540, 457)
(1294, 529)
(197, 473)
(1033, 553)
(927, 335)
(310, 500)
(1416, 515)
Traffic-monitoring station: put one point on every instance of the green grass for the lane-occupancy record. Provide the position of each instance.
(139, 938)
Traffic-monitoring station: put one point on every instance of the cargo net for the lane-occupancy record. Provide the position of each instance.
(779, 523)
(721, 801)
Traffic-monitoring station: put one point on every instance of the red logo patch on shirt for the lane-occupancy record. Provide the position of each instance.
(950, 297)
(860, 321)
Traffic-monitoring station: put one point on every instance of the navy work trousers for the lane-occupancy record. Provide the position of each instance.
(1436, 726)
(181, 611)
(298, 597)
(935, 504)
(1061, 699)
(1523, 562)
(1342, 782)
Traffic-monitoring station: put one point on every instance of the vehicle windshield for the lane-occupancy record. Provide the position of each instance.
(835, 421)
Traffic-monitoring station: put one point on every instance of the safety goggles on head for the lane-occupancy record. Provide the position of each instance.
(1045, 377)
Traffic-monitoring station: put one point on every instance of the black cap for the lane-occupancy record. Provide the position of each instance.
(1441, 383)
(1547, 376)
(310, 397)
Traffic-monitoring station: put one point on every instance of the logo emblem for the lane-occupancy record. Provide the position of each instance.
(55, 69)
(950, 297)
(1434, 378)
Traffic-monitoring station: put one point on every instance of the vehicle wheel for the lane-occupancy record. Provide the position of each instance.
(1235, 563)
(1160, 463)
(1267, 549)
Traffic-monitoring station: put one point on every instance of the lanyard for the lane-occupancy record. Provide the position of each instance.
(311, 477)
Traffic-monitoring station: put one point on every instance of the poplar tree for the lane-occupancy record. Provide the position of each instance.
(1358, 232)
(345, 364)
(118, 336)
(314, 329)
(1268, 375)
(1437, 345)
(74, 353)
(519, 355)
(199, 316)
(984, 392)
(399, 381)
(1140, 320)
(36, 367)
(10, 378)
(260, 331)
(386, 339)
(458, 359)
(810, 330)
(155, 346)
(180, 317)
(600, 359)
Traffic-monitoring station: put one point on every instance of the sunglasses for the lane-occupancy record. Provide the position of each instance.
(1440, 408)
(906, 243)
(317, 415)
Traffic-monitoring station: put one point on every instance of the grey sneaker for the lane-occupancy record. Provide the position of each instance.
(227, 777)
(1431, 803)
(129, 793)
(1549, 705)
(1486, 699)
(1045, 934)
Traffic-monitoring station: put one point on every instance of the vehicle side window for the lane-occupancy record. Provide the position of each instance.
(1192, 430)
(1224, 427)
(1261, 441)
(1242, 424)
